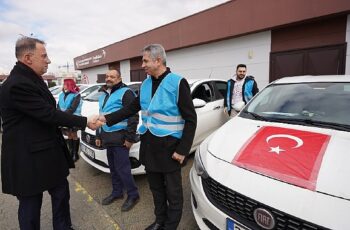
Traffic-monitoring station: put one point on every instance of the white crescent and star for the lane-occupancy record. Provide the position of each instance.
(277, 149)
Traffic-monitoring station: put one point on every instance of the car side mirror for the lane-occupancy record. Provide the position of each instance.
(198, 103)
(83, 95)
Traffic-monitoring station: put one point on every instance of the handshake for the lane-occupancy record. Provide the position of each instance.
(95, 121)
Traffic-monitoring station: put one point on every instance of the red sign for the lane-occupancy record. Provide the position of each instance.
(289, 155)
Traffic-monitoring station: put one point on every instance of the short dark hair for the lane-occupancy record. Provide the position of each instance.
(241, 66)
(25, 44)
(117, 70)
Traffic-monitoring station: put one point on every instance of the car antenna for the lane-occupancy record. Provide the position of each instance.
(210, 74)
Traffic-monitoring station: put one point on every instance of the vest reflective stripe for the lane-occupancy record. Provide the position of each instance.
(113, 103)
(179, 127)
(66, 103)
(160, 115)
(163, 117)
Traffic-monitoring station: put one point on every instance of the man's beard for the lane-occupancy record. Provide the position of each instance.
(109, 84)
(240, 76)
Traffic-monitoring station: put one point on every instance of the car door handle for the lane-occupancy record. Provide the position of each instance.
(217, 107)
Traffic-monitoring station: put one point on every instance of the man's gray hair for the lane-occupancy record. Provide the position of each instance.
(156, 51)
(26, 44)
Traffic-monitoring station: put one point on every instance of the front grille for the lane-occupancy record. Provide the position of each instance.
(242, 208)
(91, 141)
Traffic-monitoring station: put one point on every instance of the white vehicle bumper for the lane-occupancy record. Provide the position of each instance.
(98, 158)
(205, 213)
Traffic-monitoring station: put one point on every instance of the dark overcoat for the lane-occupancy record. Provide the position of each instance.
(34, 157)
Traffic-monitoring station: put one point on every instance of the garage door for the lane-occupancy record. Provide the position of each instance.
(315, 61)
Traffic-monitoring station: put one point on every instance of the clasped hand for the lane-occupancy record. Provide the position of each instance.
(95, 121)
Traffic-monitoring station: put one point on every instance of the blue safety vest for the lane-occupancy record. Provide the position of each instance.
(66, 103)
(113, 103)
(160, 113)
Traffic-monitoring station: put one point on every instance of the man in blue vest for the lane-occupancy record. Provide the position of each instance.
(118, 139)
(168, 126)
(239, 91)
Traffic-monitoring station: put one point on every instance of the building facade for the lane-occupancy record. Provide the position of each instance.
(274, 38)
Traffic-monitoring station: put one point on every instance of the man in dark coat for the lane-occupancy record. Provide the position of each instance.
(34, 157)
(168, 126)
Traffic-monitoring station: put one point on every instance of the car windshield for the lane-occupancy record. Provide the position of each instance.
(56, 91)
(93, 96)
(82, 87)
(324, 104)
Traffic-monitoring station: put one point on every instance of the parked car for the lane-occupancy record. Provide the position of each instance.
(52, 88)
(282, 163)
(208, 100)
(85, 89)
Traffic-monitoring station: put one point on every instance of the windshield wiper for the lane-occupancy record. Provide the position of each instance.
(323, 124)
(257, 116)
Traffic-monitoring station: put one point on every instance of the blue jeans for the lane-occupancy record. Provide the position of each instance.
(119, 165)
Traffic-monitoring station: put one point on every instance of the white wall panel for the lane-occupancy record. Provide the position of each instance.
(347, 39)
(91, 73)
(219, 59)
(125, 70)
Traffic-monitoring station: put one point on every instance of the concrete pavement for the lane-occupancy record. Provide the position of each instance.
(88, 187)
(85, 211)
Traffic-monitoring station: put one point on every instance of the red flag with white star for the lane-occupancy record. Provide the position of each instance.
(289, 155)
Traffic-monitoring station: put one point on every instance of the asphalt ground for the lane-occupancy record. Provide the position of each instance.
(88, 186)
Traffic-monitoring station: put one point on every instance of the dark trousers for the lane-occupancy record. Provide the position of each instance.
(119, 165)
(30, 206)
(167, 197)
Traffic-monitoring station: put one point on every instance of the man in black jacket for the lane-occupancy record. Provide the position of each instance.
(118, 139)
(34, 157)
(167, 131)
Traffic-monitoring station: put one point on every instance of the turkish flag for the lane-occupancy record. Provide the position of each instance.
(289, 155)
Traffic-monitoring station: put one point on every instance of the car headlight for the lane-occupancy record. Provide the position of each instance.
(198, 164)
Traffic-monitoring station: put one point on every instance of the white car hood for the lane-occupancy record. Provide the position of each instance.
(334, 170)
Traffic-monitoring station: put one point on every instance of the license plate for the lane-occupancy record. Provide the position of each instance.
(231, 225)
(87, 151)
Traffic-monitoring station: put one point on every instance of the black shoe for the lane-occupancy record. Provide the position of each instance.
(110, 199)
(130, 203)
(75, 155)
(155, 226)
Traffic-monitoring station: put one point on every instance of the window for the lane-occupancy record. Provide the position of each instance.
(220, 89)
(203, 92)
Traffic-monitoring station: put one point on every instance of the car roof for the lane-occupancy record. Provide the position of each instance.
(310, 78)
(192, 81)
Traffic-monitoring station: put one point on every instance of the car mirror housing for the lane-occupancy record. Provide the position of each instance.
(199, 103)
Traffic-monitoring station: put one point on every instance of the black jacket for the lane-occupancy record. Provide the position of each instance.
(156, 152)
(118, 138)
(34, 157)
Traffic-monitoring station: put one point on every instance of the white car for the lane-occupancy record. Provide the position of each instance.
(208, 99)
(282, 163)
(85, 89)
